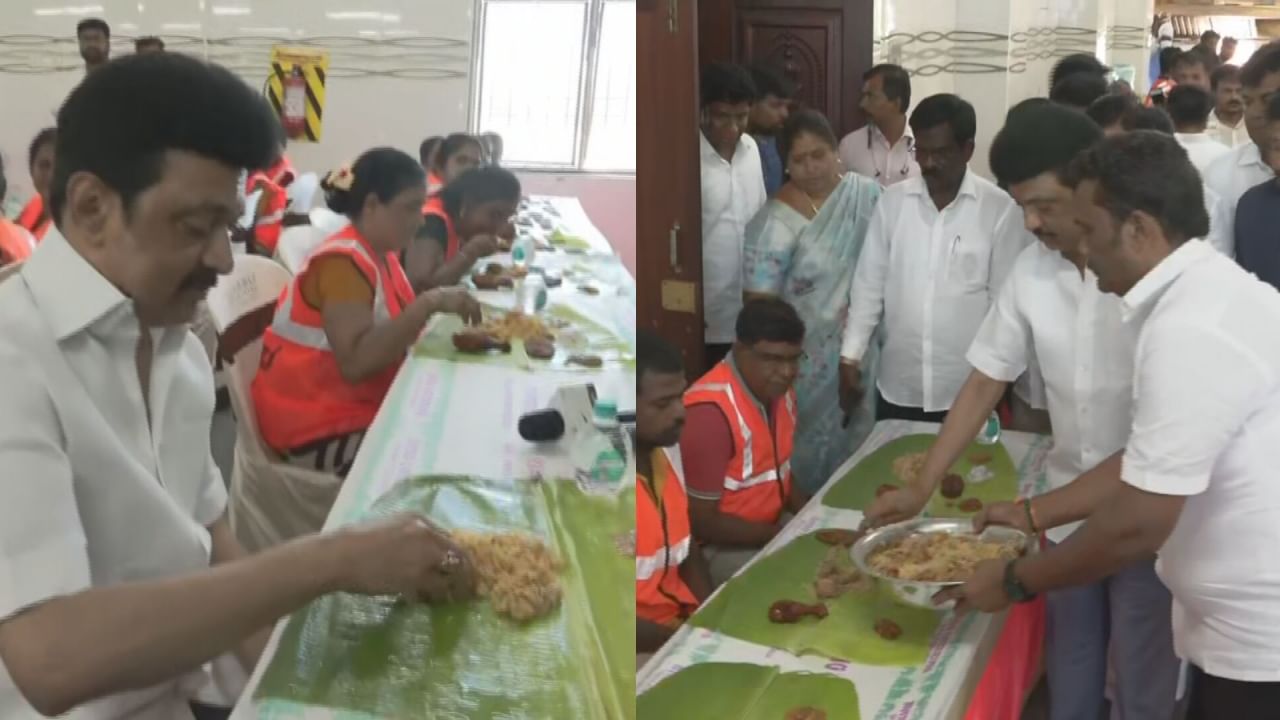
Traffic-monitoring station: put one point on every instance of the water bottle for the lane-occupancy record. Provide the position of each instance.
(522, 252)
(990, 433)
(531, 294)
(601, 457)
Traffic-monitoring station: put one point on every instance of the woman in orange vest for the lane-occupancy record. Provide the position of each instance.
(16, 243)
(35, 217)
(739, 435)
(344, 324)
(455, 155)
(462, 224)
(269, 216)
(671, 575)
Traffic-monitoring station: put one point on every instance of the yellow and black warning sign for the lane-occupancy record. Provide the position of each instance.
(296, 90)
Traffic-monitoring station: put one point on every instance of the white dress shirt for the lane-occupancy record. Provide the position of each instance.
(930, 276)
(1230, 176)
(732, 193)
(93, 493)
(1206, 426)
(1201, 148)
(867, 152)
(1229, 135)
(1085, 353)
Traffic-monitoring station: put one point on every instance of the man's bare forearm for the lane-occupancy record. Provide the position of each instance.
(1078, 499)
(73, 649)
(973, 405)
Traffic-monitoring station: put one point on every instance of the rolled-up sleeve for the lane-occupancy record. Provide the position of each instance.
(1194, 388)
(1000, 348)
(42, 540)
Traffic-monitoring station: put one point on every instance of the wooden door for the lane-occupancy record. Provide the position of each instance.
(668, 183)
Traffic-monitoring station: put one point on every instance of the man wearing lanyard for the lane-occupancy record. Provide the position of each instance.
(671, 574)
(1195, 483)
(1051, 304)
(883, 148)
(732, 193)
(936, 252)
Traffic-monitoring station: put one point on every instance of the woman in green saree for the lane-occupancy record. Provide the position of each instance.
(803, 246)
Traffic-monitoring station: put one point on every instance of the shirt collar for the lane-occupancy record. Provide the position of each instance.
(968, 186)
(1250, 155)
(70, 293)
(709, 152)
(880, 137)
(1154, 283)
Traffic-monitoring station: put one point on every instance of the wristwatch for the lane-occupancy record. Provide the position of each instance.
(1013, 587)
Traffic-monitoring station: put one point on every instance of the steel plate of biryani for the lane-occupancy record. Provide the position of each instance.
(920, 557)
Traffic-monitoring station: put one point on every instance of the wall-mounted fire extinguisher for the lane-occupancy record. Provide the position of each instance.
(293, 110)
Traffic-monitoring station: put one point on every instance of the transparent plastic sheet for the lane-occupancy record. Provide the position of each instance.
(386, 658)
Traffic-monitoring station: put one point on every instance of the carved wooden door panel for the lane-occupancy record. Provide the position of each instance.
(806, 46)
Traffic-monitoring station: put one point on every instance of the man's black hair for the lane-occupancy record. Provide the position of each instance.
(1188, 106)
(478, 185)
(93, 24)
(47, 136)
(953, 110)
(1261, 64)
(1111, 109)
(1077, 63)
(147, 41)
(1148, 118)
(1040, 139)
(1207, 34)
(384, 172)
(1194, 56)
(424, 150)
(806, 121)
(122, 119)
(655, 355)
(452, 144)
(1168, 58)
(1273, 108)
(770, 82)
(1024, 105)
(1223, 73)
(726, 83)
(1079, 90)
(894, 81)
(1145, 171)
(769, 320)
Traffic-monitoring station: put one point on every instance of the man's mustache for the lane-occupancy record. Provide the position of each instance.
(202, 279)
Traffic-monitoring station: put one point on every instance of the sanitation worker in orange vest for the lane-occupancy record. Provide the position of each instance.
(461, 224)
(738, 435)
(344, 324)
(671, 574)
(16, 243)
(35, 216)
(269, 217)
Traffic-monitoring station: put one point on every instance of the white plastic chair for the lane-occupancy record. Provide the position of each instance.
(327, 220)
(296, 243)
(271, 501)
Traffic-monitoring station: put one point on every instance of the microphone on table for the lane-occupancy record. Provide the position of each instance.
(570, 411)
(541, 425)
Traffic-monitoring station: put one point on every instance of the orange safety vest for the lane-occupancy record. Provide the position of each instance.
(268, 226)
(435, 206)
(35, 219)
(758, 479)
(1161, 89)
(16, 242)
(662, 544)
(435, 182)
(299, 393)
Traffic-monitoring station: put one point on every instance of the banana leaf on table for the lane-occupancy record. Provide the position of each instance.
(858, 487)
(745, 692)
(385, 658)
(741, 610)
(579, 335)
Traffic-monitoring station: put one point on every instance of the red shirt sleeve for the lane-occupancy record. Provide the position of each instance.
(706, 447)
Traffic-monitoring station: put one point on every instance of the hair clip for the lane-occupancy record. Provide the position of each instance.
(342, 178)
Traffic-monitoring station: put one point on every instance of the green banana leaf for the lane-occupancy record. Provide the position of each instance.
(741, 610)
(858, 487)
(389, 659)
(745, 692)
(582, 336)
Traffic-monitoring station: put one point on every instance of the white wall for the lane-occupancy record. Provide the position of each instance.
(400, 70)
(995, 53)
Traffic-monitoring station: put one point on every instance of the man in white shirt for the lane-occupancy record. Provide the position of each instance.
(120, 578)
(1189, 107)
(732, 192)
(1051, 304)
(883, 149)
(937, 249)
(1196, 480)
(1226, 122)
(1241, 169)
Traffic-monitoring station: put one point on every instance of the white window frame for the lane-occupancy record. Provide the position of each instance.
(586, 97)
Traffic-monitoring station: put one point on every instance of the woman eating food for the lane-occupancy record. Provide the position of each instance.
(344, 324)
(462, 224)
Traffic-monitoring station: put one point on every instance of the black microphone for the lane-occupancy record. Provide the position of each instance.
(541, 426)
